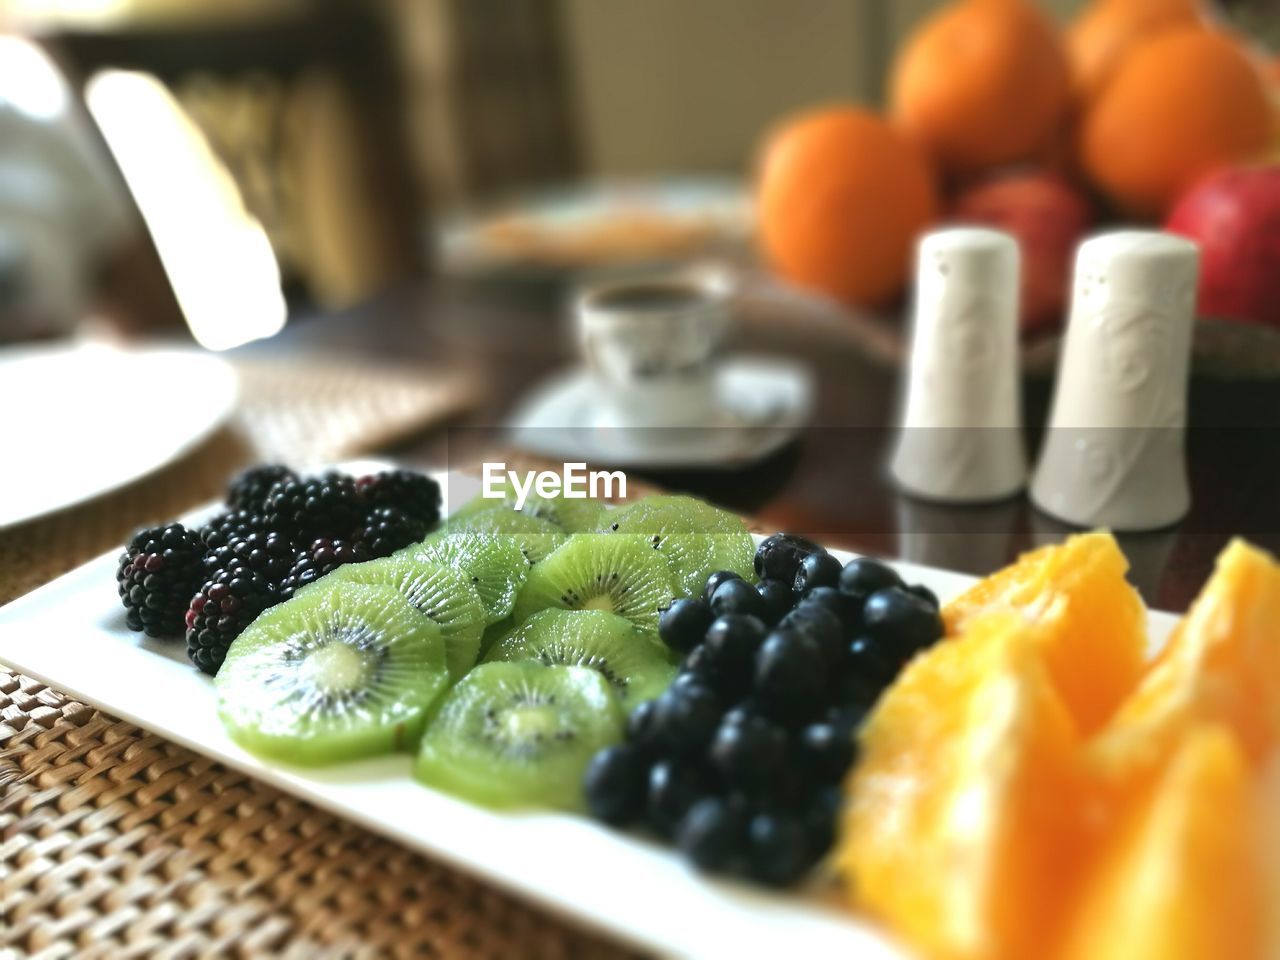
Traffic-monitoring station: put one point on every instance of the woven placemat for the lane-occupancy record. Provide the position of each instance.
(117, 843)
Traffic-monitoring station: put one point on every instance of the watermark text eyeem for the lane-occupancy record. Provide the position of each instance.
(574, 482)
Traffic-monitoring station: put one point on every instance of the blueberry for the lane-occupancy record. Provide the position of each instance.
(615, 784)
(855, 689)
(864, 576)
(674, 787)
(702, 668)
(790, 669)
(925, 594)
(847, 719)
(902, 620)
(748, 751)
(816, 570)
(738, 596)
(742, 712)
(821, 818)
(714, 581)
(686, 679)
(820, 625)
(685, 718)
(869, 661)
(713, 833)
(778, 849)
(778, 598)
(826, 751)
(778, 556)
(683, 624)
(640, 725)
(845, 609)
(732, 642)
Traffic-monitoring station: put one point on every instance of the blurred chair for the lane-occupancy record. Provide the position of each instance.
(304, 105)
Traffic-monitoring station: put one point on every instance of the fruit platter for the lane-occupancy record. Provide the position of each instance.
(701, 740)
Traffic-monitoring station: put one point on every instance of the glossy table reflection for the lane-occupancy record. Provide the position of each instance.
(830, 483)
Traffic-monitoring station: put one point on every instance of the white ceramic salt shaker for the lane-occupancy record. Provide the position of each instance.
(1114, 455)
(961, 436)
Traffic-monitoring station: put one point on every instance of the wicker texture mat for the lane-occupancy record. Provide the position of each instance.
(117, 843)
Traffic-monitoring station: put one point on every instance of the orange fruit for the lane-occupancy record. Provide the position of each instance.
(1092, 623)
(1106, 31)
(982, 83)
(958, 828)
(842, 196)
(1181, 879)
(1221, 665)
(1180, 105)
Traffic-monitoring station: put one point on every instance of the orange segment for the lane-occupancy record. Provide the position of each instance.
(958, 829)
(1222, 664)
(1182, 879)
(1092, 623)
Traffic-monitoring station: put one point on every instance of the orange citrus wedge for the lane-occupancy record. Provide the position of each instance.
(1091, 622)
(958, 829)
(1181, 880)
(1222, 664)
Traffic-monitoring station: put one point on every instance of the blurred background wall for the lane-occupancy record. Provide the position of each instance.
(667, 84)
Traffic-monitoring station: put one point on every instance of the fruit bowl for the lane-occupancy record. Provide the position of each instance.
(71, 635)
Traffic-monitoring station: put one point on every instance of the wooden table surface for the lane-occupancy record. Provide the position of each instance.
(829, 484)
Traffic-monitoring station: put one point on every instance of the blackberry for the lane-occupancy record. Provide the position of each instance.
(387, 529)
(231, 525)
(249, 490)
(414, 493)
(158, 572)
(228, 602)
(328, 506)
(269, 553)
(323, 556)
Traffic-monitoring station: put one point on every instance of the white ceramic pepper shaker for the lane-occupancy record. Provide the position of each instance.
(1113, 455)
(961, 436)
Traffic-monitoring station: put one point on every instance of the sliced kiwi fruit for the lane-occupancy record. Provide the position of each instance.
(519, 735)
(534, 536)
(633, 661)
(593, 571)
(442, 593)
(494, 633)
(574, 515)
(339, 672)
(695, 538)
(494, 565)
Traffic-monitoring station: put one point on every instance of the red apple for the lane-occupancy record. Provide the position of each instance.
(1235, 217)
(1047, 216)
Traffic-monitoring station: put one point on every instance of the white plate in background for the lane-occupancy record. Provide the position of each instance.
(71, 635)
(81, 420)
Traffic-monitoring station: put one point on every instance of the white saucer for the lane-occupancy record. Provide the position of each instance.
(762, 404)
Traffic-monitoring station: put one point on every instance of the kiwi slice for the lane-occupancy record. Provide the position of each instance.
(593, 571)
(442, 593)
(495, 632)
(494, 565)
(633, 661)
(341, 671)
(534, 536)
(695, 538)
(570, 515)
(519, 735)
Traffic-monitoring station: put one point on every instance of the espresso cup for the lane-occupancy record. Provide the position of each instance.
(651, 346)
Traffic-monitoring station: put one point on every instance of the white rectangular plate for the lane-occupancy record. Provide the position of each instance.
(71, 635)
